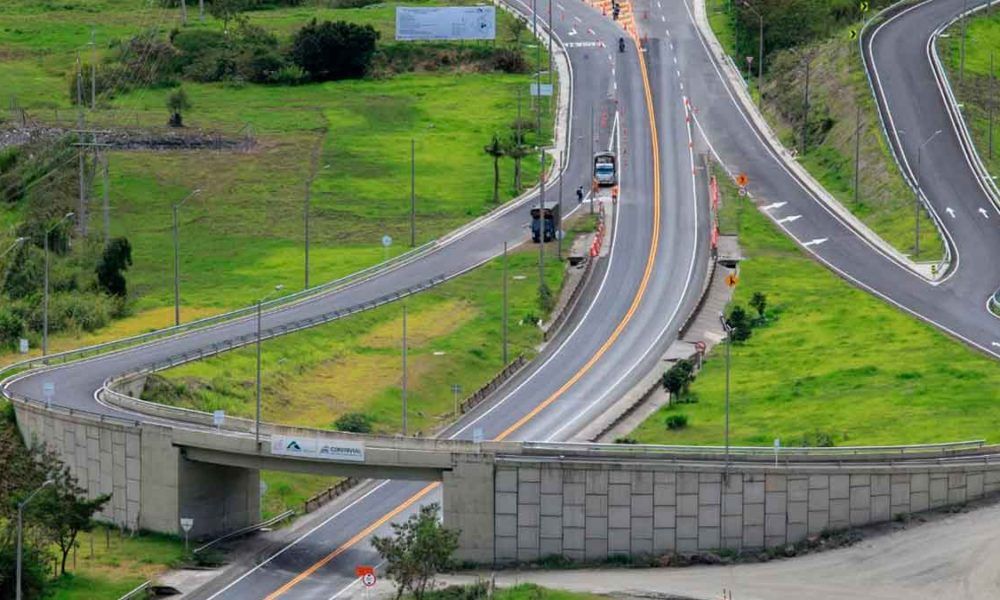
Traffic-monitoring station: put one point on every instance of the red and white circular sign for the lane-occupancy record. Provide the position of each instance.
(368, 579)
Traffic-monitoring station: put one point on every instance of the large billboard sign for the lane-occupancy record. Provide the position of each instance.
(446, 23)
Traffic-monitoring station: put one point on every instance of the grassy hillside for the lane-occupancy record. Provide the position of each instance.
(837, 89)
(244, 233)
(831, 361)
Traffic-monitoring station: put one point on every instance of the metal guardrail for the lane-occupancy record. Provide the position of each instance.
(143, 591)
(334, 491)
(245, 530)
(281, 301)
(654, 450)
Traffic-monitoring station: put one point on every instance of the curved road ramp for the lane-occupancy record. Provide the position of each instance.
(512, 501)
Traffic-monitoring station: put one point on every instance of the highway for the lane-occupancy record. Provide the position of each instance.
(909, 95)
(642, 291)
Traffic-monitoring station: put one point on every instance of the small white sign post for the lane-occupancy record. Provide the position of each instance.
(48, 392)
(386, 242)
(777, 447)
(218, 418)
(22, 346)
(186, 524)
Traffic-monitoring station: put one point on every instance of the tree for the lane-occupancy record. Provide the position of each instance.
(678, 378)
(63, 509)
(116, 259)
(739, 322)
(177, 103)
(227, 10)
(330, 50)
(759, 303)
(497, 151)
(517, 149)
(418, 548)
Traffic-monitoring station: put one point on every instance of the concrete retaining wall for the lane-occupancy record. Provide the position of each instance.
(150, 482)
(591, 512)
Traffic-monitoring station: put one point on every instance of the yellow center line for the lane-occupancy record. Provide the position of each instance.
(636, 301)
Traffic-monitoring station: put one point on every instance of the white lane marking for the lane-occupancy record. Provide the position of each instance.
(614, 84)
(996, 344)
(668, 34)
(675, 59)
(612, 71)
(663, 18)
(678, 72)
(298, 539)
(950, 211)
(591, 31)
(983, 212)
(561, 7)
(790, 219)
(773, 206)
(580, 45)
(658, 5)
(815, 242)
(578, 19)
(681, 83)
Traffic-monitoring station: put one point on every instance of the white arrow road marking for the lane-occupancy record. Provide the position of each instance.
(790, 219)
(772, 206)
(983, 212)
(815, 242)
(997, 344)
(950, 211)
(572, 31)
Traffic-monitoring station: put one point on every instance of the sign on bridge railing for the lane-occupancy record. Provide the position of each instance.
(304, 447)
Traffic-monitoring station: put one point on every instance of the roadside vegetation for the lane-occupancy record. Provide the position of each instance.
(826, 363)
(975, 85)
(347, 128)
(823, 35)
(66, 555)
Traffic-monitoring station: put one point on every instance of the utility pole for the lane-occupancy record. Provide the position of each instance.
(857, 154)
(184, 12)
(45, 294)
(541, 216)
(961, 64)
(760, 55)
(404, 368)
(413, 193)
(559, 232)
(93, 72)
(805, 109)
(538, 66)
(993, 101)
(592, 142)
(504, 318)
(81, 216)
(107, 192)
(729, 355)
(306, 206)
(551, 74)
(201, 10)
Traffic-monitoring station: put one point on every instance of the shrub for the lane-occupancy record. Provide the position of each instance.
(678, 378)
(78, 311)
(354, 423)
(627, 440)
(115, 260)
(740, 323)
(509, 60)
(11, 328)
(676, 422)
(334, 50)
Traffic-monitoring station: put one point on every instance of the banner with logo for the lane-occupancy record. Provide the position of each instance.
(446, 23)
(312, 448)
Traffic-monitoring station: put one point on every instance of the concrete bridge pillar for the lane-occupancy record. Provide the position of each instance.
(468, 507)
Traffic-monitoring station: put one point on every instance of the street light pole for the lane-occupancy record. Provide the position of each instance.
(20, 533)
(404, 369)
(760, 53)
(177, 260)
(45, 295)
(260, 302)
(916, 203)
(729, 347)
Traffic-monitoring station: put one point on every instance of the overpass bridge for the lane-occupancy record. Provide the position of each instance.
(511, 501)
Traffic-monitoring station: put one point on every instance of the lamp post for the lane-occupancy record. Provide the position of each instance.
(20, 533)
(260, 302)
(920, 192)
(45, 295)
(760, 53)
(729, 346)
(177, 260)
(15, 244)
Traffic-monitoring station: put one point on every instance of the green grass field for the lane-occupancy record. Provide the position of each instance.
(118, 564)
(243, 234)
(832, 359)
(838, 86)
